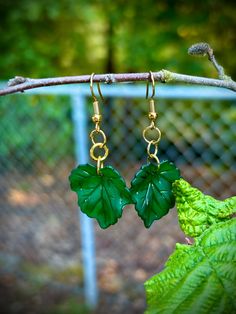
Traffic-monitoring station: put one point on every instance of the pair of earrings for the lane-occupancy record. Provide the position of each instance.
(102, 192)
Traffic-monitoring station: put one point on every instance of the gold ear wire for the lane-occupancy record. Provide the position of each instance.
(152, 111)
(98, 88)
(91, 87)
(153, 86)
(97, 117)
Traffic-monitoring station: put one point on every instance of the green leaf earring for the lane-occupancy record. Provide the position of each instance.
(101, 191)
(151, 188)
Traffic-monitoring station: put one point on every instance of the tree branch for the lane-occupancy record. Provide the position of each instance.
(20, 84)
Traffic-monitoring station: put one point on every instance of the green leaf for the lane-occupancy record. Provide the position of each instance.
(101, 196)
(151, 190)
(200, 278)
(197, 211)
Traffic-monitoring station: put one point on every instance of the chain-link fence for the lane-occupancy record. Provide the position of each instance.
(40, 257)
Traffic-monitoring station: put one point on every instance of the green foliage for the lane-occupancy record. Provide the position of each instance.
(48, 38)
(197, 211)
(200, 278)
(27, 125)
(151, 190)
(100, 195)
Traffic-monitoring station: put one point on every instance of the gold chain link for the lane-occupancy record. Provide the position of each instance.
(152, 142)
(101, 144)
(156, 136)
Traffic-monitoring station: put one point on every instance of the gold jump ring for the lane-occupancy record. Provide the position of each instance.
(99, 145)
(96, 132)
(152, 127)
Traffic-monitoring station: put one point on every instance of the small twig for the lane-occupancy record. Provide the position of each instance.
(203, 49)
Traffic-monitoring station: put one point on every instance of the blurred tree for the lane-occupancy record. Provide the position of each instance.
(49, 38)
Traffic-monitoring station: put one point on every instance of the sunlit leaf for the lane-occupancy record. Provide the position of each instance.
(199, 278)
(197, 211)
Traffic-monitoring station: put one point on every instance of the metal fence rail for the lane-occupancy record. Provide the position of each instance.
(40, 134)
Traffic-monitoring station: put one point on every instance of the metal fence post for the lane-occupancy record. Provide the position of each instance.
(79, 116)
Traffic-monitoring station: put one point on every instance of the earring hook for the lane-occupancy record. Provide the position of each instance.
(98, 88)
(91, 87)
(153, 85)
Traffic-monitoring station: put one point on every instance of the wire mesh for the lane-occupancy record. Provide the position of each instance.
(40, 256)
